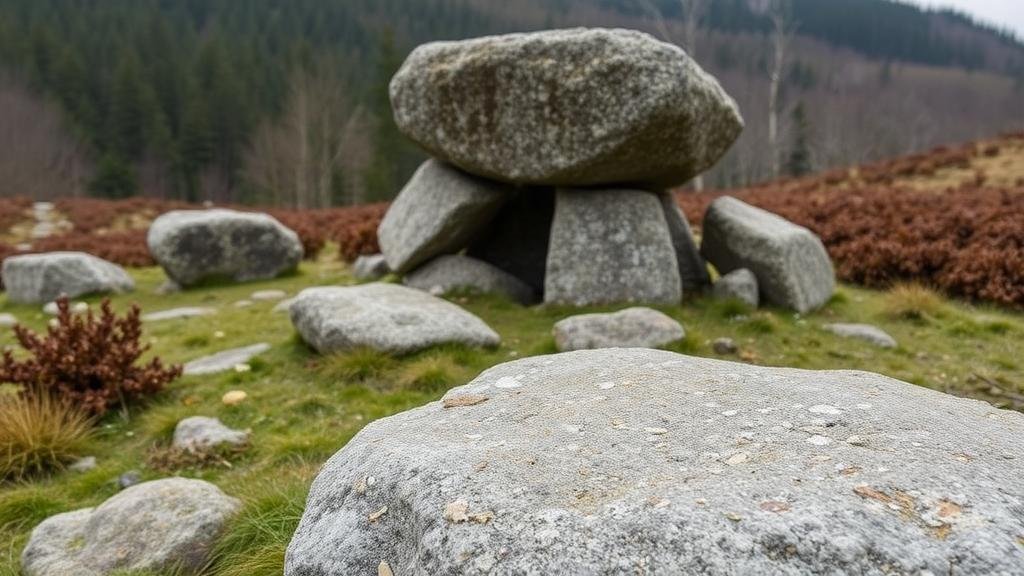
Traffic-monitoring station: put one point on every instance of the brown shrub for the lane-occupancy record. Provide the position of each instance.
(123, 247)
(88, 360)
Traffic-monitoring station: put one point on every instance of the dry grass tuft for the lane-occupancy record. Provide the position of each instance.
(913, 302)
(39, 433)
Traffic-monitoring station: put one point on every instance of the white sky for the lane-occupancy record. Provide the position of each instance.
(1006, 14)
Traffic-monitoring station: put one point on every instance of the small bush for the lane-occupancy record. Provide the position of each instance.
(87, 360)
(913, 302)
(39, 433)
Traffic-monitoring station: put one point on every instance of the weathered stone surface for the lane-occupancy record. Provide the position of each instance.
(738, 285)
(224, 361)
(610, 246)
(446, 274)
(630, 328)
(793, 269)
(178, 313)
(268, 295)
(199, 433)
(438, 212)
(196, 245)
(164, 525)
(693, 270)
(517, 240)
(724, 346)
(565, 108)
(384, 317)
(40, 278)
(372, 267)
(866, 332)
(610, 461)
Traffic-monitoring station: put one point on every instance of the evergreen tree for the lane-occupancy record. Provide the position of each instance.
(114, 178)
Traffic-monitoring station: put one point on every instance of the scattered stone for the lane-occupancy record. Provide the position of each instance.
(224, 361)
(197, 245)
(176, 313)
(162, 526)
(284, 305)
(372, 267)
(610, 246)
(86, 464)
(268, 295)
(446, 274)
(8, 320)
(234, 397)
(578, 499)
(565, 108)
(517, 239)
(738, 285)
(384, 317)
(793, 269)
(866, 332)
(243, 303)
(168, 287)
(724, 346)
(693, 270)
(201, 433)
(129, 479)
(631, 328)
(39, 278)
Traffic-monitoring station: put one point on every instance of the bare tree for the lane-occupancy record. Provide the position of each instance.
(783, 30)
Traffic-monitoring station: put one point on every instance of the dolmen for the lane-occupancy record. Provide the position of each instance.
(551, 156)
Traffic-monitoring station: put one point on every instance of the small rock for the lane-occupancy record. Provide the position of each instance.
(268, 295)
(373, 267)
(129, 479)
(38, 278)
(226, 360)
(168, 287)
(724, 346)
(631, 328)
(200, 433)
(284, 305)
(456, 273)
(234, 397)
(866, 332)
(7, 320)
(738, 285)
(243, 303)
(85, 464)
(175, 313)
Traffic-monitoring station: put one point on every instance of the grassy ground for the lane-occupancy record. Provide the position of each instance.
(302, 408)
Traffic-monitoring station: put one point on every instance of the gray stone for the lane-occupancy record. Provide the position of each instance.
(738, 285)
(268, 295)
(201, 433)
(630, 328)
(626, 461)
(176, 313)
(85, 464)
(517, 240)
(384, 317)
(129, 479)
(197, 245)
(40, 278)
(167, 287)
(724, 346)
(693, 270)
(224, 361)
(372, 267)
(610, 246)
(162, 526)
(7, 320)
(243, 303)
(284, 305)
(438, 212)
(792, 267)
(446, 274)
(565, 108)
(866, 332)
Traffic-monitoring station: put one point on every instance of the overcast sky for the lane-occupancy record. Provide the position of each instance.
(1002, 13)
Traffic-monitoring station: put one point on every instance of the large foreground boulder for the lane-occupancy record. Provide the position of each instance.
(793, 269)
(164, 525)
(629, 461)
(565, 108)
(197, 245)
(630, 328)
(384, 317)
(610, 246)
(459, 273)
(438, 212)
(41, 278)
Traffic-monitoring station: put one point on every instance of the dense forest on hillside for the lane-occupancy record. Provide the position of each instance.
(285, 101)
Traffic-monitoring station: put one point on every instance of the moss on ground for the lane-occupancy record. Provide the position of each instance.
(301, 407)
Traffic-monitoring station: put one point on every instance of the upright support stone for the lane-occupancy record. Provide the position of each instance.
(693, 269)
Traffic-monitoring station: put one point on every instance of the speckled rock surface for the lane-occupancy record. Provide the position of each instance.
(384, 317)
(793, 269)
(693, 270)
(199, 433)
(370, 267)
(610, 246)
(866, 332)
(629, 461)
(566, 108)
(738, 285)
(168, 524)
(630, 328)
(446, 274)
(224, 361)
(196, 245)
(179, 313)
(438, 212)
(40, 278)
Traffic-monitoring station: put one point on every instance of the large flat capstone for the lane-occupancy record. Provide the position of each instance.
(575, 107)
(631, 461)
(384, 317)
(40, 278)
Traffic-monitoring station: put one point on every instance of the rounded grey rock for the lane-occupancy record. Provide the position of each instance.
(627, 461)
(793, 269)
(446, 274)
(868, 333)
(384, 317)
(738, 285)
(200, 433)
(225, 360)
(373, 267)
(41, 278)
(197, 245)
(576, 107)
(164, 525)
(630, 328)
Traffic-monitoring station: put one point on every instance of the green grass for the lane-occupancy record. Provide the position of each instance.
(302, 408)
